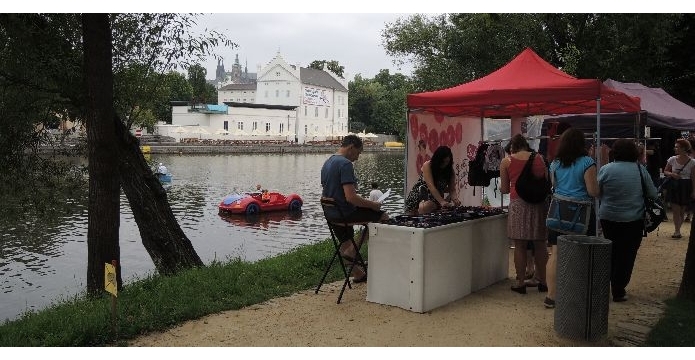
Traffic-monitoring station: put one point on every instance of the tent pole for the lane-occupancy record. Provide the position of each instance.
(482, 138)
(597, 150)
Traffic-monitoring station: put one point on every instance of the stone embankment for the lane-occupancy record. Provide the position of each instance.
(176, 148)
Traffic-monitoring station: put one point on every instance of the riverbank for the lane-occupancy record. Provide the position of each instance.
(266, 148)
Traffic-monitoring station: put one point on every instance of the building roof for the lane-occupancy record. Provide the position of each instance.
(239, 87)
(259, 106)
(316, 77)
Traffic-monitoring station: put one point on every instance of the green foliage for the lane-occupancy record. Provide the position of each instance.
(158, 303)
(175, 87)
(451, 49)
(379, 104)
(41, 77)
(331, 65)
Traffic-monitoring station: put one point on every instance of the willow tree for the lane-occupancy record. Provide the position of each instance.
(44, 59)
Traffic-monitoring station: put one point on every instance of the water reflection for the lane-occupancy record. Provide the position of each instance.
(43, 256)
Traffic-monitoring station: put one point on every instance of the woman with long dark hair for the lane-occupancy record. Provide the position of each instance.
(573, 174)
(437, 179)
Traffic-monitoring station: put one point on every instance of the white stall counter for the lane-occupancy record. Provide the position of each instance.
(419, 269)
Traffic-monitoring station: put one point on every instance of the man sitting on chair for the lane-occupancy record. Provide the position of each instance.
(340, 183)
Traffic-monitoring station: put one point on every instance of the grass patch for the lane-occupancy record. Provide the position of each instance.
(676, 327)
(158, 303)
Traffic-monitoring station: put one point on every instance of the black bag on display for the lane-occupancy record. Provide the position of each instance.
(477, 176)
(654, 212)
(530, 188)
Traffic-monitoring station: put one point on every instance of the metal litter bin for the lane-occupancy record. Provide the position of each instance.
(583, 286)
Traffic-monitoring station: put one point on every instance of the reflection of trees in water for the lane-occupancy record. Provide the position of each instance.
(36, 221)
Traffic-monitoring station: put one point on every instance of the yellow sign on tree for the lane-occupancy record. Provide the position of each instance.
(110, 283)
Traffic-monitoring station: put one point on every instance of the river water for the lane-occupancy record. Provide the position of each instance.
(44, 259)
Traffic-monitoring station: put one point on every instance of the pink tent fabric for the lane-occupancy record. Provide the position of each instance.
(527, 85)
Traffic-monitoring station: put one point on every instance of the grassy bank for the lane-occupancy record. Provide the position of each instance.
(159, 303)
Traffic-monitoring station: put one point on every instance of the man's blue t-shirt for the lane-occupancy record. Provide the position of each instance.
(336, 172)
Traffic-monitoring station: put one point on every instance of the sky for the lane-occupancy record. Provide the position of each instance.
(307, 30)
(354, 40)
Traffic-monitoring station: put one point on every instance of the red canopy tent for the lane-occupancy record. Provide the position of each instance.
(527, 85)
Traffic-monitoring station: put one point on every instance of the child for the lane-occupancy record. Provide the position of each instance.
(375, 194)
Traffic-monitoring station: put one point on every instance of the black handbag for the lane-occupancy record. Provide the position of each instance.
(654, 211)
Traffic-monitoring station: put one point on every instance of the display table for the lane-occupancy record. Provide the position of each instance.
(419, 269)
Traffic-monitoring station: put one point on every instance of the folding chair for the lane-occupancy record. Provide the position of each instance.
(341, 222)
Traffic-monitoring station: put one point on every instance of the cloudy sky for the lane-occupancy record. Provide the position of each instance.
(354, 40)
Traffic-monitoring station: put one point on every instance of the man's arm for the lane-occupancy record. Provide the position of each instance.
(354, 199)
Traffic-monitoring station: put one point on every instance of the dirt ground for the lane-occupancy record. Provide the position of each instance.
(494, 316)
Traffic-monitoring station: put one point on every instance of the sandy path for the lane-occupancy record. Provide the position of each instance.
(494, 316)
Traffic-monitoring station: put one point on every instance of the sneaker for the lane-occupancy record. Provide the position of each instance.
(549, 303)
(620, 298)
(687, 218)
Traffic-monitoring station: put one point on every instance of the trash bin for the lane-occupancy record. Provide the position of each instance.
(583, 287)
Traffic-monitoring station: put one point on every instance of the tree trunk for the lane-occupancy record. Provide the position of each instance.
(687, 287)
(104, 187)
(161, 234)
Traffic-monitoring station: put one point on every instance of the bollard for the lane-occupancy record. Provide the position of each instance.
(583, 287)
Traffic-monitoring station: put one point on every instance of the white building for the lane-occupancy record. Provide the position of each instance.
(286, 99)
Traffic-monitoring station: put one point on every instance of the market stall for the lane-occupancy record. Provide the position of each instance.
(423, 269)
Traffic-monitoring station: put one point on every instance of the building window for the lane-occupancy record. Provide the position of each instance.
(277, 73)
(306, 129)
(254, 126)
(316, 111)
(326, 112)
(277, 93)
(266, 93)
(267, 127)
(225, 125)
(339, 113)
(288, 93)
(305, 110)
(282, 128)
(244, 100)
(240, 125)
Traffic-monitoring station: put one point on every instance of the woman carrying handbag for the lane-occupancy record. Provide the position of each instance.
(622, 211)
(573, 174)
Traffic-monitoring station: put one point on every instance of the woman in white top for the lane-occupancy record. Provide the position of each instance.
(680, 168)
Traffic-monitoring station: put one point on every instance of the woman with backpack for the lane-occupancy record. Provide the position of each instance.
(526, 220)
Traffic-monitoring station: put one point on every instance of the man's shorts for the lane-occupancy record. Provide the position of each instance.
(345, 233)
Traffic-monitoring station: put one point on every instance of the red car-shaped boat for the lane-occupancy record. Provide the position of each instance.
(254, 203)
